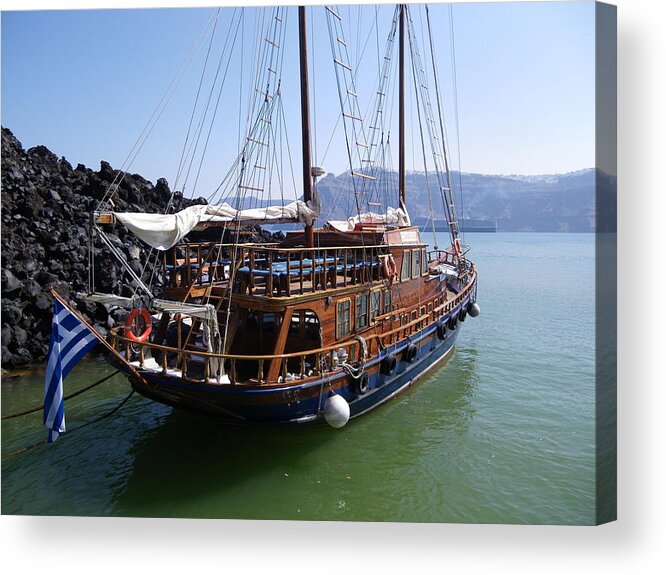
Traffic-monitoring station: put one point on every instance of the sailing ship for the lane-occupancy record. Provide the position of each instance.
(326, 324)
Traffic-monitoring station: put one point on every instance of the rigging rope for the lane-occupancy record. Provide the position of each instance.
(147, 130)
(181, 162)
(200, 127)
(217, 104)
(340, 54)
(425, 163)
(157, 114)
(455, 104)
(453, 232)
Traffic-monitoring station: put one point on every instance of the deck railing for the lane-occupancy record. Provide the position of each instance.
(202, 264)
(197, 365)
(264, 269)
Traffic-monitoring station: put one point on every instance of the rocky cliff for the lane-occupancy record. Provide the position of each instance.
(46, 210)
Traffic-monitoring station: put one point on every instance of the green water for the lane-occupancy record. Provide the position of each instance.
(503, 432)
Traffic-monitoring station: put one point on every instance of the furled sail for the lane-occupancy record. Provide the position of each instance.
(392, 216)
(163, 231)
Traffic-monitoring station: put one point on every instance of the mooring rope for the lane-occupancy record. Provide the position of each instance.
(110, 413)
(40, 407)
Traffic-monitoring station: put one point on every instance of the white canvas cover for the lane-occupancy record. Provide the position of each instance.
(163, 231)
(392, 216)
(204, 311)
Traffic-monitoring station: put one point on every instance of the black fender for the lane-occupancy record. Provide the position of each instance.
(361, 384)
(388, 364)
(410, 352)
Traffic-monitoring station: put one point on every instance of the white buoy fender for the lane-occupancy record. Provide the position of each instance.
(336, 411)
(474, 310)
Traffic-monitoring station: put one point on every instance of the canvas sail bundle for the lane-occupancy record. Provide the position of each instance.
(392, 216)
(163, 231)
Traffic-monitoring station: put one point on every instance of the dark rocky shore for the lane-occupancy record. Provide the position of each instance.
(46, 207)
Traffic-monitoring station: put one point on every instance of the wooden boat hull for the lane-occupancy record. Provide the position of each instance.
(296, 402)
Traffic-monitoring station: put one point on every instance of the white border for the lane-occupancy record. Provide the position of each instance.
(634, 544)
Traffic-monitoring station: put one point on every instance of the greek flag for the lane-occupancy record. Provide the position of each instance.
(70, 341)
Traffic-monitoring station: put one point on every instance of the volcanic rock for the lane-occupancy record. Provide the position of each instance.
(46, 222)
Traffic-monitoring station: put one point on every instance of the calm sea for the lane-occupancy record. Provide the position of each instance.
(503, 432)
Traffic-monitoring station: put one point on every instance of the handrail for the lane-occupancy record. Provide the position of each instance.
(390, 314)
(451, 304)
(274, 246)
(265, 267)
(324, 357)
(223, 245)
(307, 270)
(323, 248)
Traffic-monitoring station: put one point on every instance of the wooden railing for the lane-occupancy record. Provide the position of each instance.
(199, 264)
(296, 365)
(270, 271)
(436, 257)
(442, 256)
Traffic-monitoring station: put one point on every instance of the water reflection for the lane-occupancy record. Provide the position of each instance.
(190, 457)
(420, 443)
(196, 467)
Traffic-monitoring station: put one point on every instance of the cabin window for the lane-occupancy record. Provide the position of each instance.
(343, 318)
(387, 301)
(406, 271)
(429, 308)
(362, 311)
(305, 324)
(416, 263)
(375, 304)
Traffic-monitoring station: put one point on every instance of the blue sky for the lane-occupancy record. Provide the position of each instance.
(85, 82)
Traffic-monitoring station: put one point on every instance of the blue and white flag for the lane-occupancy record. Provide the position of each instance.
(70, 341)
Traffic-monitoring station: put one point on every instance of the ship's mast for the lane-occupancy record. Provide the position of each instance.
(401, 109)
(305, 120)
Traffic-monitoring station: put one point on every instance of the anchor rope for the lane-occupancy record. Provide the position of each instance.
(108, 414)
(40, 407)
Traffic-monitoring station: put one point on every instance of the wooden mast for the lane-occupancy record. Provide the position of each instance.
(401, 109)
(305, 120)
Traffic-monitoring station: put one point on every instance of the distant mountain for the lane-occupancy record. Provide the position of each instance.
(519, 203)
(547, 203)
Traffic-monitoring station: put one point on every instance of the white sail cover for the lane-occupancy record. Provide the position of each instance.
(392, 216)
(204, 311)
(163, 231)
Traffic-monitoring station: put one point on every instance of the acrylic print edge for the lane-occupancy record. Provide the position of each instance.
(606, 262)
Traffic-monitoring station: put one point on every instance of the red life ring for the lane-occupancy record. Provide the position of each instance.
(129, 325)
